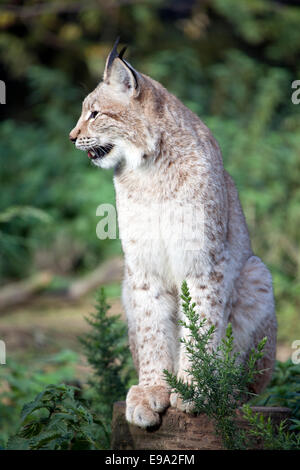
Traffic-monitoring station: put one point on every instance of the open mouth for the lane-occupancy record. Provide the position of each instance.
(99, 152)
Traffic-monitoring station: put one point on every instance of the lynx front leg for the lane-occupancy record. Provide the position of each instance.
(150, 310)
(210, 291)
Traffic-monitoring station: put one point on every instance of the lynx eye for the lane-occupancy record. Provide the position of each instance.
(93, 114)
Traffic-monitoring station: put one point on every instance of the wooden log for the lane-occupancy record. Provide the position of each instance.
(178, 430)
(23, 291)
(109, 271)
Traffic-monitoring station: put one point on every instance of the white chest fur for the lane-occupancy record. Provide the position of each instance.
(156, 230)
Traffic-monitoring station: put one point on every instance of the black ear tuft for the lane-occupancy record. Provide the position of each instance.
(119, 72)
(133, 73)
(122, 52)
(113, 54)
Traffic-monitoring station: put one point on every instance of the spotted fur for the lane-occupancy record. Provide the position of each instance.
(167, 165)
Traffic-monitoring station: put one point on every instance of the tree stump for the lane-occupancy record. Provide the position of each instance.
(178, 430)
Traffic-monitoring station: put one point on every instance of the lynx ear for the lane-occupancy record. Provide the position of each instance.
(119, 74)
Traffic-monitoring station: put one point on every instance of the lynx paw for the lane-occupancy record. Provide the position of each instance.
(177, 402)
(143, 405)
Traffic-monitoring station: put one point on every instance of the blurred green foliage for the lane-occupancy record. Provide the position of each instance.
(41, 168)
(284, 390)
(231, 62)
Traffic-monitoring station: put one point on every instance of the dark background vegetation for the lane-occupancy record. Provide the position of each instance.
(231, 62)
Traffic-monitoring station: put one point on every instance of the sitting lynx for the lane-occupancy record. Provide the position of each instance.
(168, 166)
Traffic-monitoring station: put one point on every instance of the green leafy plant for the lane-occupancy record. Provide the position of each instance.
(284, 388)
(107, 351)
(272, 438)
(220, 383)
(20, 383)
(56, 420)
(65, 417)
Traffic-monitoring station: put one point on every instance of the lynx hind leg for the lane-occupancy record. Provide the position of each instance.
(253, 317)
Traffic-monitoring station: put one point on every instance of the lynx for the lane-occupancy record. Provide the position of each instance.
(166, 165)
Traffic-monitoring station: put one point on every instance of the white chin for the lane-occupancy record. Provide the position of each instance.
(108, 161)
(125, 151)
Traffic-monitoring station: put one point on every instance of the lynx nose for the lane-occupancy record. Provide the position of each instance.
(72, 139)
(73, 135)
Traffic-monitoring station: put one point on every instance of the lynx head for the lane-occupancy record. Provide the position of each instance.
(115, 125)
